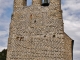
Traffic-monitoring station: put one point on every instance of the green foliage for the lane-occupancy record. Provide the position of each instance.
(3, 54)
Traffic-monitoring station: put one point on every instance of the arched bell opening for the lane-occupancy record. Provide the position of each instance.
(45, 2)
(28, 2)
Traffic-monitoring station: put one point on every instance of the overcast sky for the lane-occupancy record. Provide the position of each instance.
(71, 17)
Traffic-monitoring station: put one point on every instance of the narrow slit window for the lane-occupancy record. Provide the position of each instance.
(29, 2)
(45, 2)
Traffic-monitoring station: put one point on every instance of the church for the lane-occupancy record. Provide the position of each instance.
(37, 32)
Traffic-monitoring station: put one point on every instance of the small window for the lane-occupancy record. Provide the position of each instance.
(45, 2)
(29, 2)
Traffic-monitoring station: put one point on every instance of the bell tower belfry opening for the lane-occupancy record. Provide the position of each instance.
(37, 32)
(28, 2)
(45, 2)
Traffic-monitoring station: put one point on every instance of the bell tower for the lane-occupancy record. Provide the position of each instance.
(37, 32)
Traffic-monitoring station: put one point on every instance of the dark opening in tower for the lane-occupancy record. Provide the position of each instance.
(45, 2)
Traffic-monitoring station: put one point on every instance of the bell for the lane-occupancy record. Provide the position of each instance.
(45, 2)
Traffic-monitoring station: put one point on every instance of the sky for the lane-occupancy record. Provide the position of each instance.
(71, 18)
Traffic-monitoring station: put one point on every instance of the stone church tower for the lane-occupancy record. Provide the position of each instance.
(37, 32)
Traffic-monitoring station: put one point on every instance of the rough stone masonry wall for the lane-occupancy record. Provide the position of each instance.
(36, 32)
(68, 47)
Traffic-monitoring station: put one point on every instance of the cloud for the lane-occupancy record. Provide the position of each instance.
(1, 48)
(5, 16)
(77, 55)
(71, 17)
